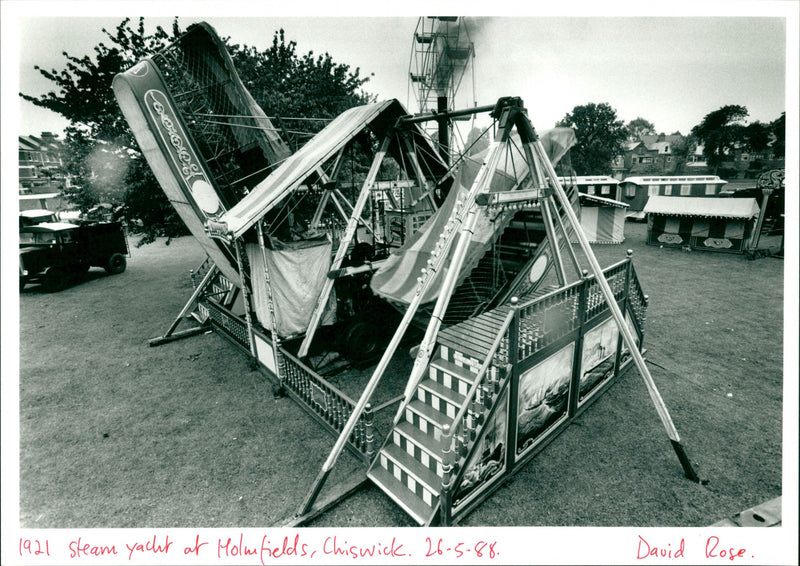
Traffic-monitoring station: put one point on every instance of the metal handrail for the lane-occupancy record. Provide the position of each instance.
(484, 367)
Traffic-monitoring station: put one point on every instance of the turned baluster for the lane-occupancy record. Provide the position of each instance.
(370, 432)
(447, 475)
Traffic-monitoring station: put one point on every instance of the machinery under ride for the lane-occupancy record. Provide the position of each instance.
(468, 263)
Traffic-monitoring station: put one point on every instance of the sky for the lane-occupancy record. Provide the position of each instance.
(671, 70)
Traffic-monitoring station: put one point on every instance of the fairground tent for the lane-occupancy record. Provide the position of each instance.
(721, 224)
(602, 219)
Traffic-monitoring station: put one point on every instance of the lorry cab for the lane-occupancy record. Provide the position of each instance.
(56, 253)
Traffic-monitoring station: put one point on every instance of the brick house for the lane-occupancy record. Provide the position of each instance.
(650, 155)
(40, 161)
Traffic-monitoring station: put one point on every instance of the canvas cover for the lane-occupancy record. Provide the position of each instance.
(297, 272)
(396, 280)
(730, 228)
(380, 117)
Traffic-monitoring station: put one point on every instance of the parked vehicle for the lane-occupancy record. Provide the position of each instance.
(34, 216)
(56, 254)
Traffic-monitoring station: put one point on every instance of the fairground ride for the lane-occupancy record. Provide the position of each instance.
(518, 338)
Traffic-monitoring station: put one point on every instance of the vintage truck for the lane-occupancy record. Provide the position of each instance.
(56, 254)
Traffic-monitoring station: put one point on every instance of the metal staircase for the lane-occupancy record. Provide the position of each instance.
(409, 467)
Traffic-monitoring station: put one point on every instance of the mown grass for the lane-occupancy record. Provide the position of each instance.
(114, 433)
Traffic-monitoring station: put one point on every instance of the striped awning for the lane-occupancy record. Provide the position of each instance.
(702, 207)
(396, 280)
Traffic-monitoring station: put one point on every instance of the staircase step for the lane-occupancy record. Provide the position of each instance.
(458, 344)
(414, 468)
(441, 398)
(426, 418)
(450, 375)
(426, 442)
(420, 511)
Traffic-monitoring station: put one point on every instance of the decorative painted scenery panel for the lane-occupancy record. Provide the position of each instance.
(488, 460)
(542, 398)
(599, 353)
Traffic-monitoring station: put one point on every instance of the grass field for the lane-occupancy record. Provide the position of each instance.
(114, 433)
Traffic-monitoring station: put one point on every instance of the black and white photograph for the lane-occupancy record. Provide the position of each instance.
(292, 281)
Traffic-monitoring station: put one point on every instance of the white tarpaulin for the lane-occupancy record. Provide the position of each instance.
(297, 272)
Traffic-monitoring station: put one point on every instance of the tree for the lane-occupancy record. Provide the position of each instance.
(720, 131)
(600, 136)
(103, 155)
(778, 127)
(639, 127)
(757, 136)
(682, 148)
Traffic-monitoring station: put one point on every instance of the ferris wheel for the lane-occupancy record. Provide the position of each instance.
(442, 55)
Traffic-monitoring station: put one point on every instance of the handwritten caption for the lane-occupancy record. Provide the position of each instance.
(262, 550)
(714, 548)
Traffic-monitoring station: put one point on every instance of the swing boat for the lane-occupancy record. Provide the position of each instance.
(473, 253)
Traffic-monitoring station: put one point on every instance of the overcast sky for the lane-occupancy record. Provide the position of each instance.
(670, 70)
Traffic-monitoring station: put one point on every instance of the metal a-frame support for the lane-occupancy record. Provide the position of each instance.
(171, 335)
(510, 113)
(534, 147)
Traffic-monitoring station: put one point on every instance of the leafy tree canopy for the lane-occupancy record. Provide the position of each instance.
(778, 127)
(639, 127)
(600, 136)
(724, 130)
(719, 132)
(102, 154)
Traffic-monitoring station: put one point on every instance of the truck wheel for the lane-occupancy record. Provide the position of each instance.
(361, 341)
(116, 264)
(55, 280)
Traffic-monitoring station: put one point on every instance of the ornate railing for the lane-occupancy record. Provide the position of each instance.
(329, 405)
(197, 275)
(615, 275)
(547, 319)
(223, 319)
(637, 300)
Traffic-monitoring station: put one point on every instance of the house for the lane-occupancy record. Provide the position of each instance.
(649, 155)
(40, 160)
